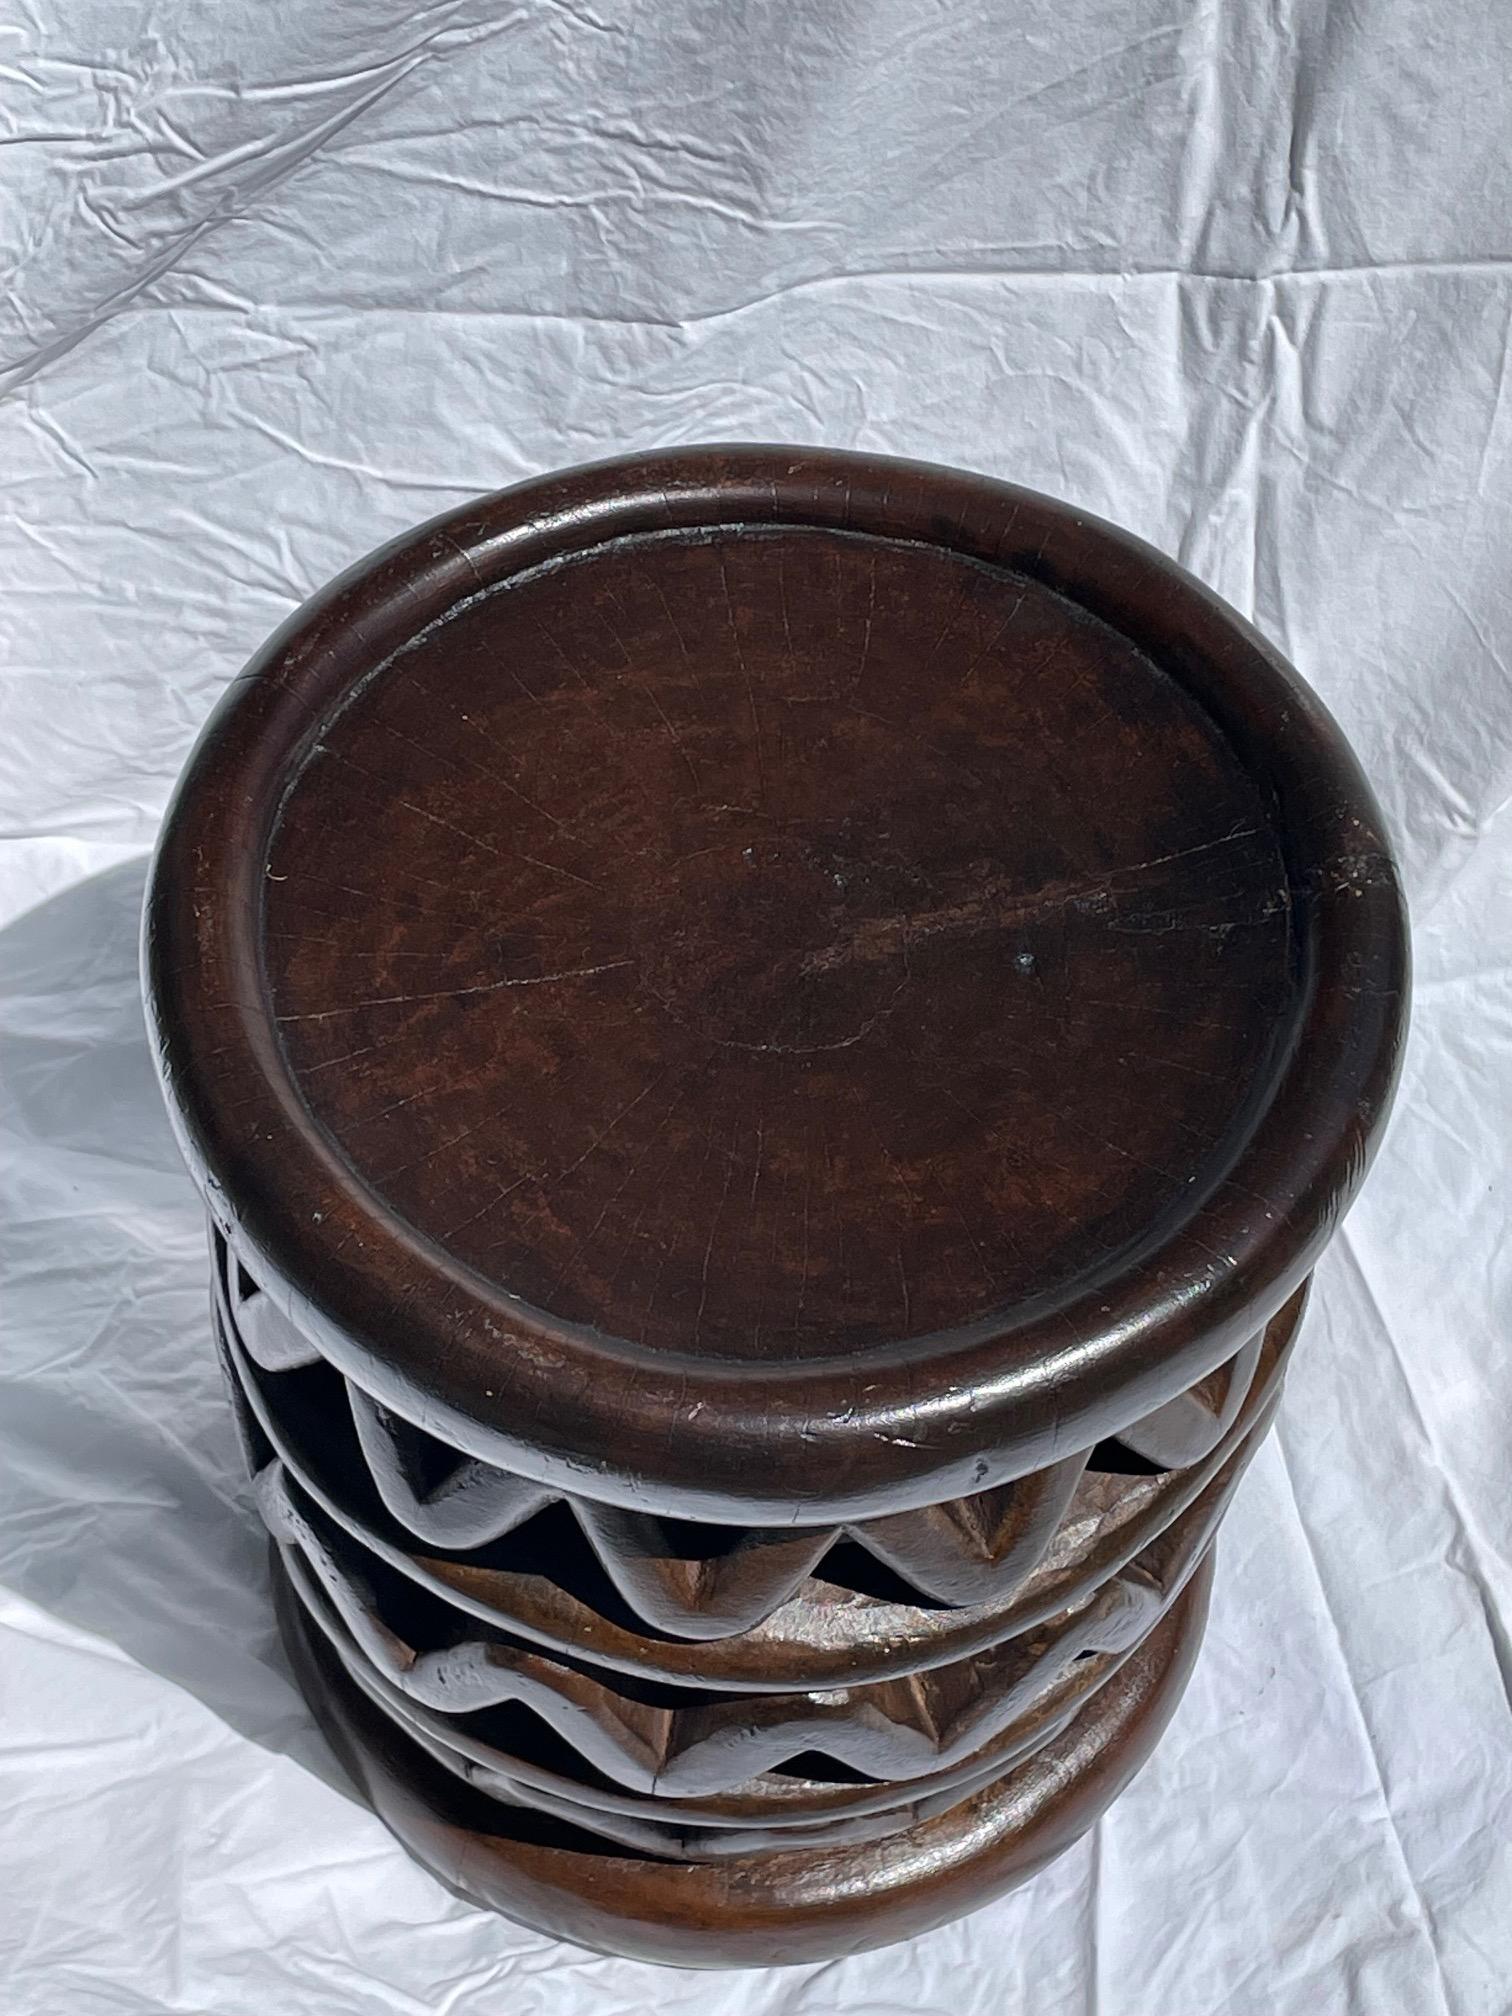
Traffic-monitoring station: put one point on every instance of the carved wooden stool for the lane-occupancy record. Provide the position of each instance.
(770, 1038)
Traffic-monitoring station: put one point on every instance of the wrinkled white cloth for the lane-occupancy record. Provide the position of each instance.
(282, 279)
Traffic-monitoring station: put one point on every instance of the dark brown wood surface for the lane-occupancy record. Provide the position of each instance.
(770, 1039)
(1001, 887)
(778, 945)
(846, 1604)
(775, 1909)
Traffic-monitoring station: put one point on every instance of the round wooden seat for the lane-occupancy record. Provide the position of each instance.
(771, 1038)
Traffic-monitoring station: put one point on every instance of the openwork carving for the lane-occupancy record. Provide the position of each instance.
(700, 1580)
(410, 1558)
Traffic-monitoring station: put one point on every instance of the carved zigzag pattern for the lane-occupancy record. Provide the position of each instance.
(687, 1741)
(1111, 1520)
(959, 1552)
(705, 1581)
(756, 1818)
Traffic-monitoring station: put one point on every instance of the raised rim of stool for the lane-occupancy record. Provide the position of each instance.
(937, 1415)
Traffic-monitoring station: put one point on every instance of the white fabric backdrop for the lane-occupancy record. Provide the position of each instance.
(282, 278)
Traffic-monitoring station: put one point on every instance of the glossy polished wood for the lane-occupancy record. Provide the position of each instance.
(555, 1587)
(780, 1907)
(771, 1039)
